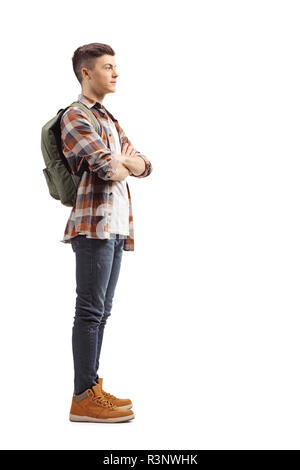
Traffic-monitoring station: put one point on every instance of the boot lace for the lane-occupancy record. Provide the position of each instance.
(101, 401)
(108, 395)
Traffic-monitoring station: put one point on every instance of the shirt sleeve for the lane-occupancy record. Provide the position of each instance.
(148, 165)
(80, 140)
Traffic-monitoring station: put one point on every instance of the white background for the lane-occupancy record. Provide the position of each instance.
(204, 331)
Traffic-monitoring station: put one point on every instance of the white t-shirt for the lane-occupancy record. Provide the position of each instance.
(120, 214)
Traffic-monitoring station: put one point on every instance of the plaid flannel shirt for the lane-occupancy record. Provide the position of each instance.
(94, 202)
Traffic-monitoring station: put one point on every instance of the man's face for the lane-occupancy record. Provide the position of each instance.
(104, 75)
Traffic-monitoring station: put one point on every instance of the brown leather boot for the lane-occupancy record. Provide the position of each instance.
(125, 403)
(91, 406)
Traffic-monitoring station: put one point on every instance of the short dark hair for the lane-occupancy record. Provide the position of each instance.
(85, 56)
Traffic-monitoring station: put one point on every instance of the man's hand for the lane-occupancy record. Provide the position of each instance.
(132, 160)
(129, 163)
(128, 151)
(121, 171)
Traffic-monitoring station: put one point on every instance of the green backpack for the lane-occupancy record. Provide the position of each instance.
(62, 182)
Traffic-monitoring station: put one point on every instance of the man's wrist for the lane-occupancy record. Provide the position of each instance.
(127, 161)
(131, 164)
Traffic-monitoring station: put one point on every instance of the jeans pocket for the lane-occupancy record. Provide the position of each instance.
(74, 243)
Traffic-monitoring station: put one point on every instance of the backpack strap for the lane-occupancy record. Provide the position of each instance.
(94, 121)
(84, 166)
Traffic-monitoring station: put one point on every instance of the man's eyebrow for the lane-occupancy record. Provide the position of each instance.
(108, 64)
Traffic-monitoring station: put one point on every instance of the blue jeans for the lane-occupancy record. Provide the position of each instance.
(98, 263)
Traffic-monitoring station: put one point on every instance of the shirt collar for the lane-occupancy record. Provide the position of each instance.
(89, 102)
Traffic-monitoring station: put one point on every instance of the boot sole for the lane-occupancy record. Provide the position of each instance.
(89, 419)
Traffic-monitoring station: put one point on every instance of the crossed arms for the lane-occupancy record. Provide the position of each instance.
(80, 139)
(129, 163)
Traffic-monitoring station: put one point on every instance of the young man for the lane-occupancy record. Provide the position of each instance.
(100, 226)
